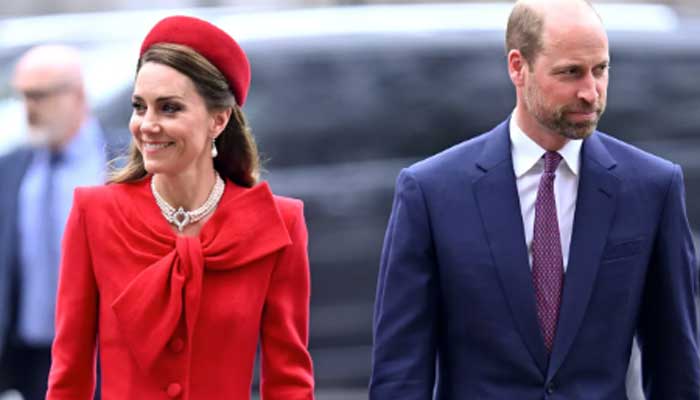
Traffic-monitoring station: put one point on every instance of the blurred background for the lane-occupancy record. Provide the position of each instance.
(62, 6)
(346, 93)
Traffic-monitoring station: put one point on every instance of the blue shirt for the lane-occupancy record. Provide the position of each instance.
(81, 163)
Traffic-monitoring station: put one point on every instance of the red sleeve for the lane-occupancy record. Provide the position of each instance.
(72, 373)
(287, 371)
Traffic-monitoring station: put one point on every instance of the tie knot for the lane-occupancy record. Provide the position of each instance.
(551, 161)
(55, 158)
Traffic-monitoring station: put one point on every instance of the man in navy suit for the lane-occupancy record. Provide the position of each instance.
(520, 265)
(36, 190)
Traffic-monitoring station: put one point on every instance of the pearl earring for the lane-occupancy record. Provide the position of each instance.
(214, 152)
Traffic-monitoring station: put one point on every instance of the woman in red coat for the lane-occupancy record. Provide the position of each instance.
(176, 268)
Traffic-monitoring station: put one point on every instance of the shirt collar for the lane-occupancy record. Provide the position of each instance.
(526, 152)
(87, 138)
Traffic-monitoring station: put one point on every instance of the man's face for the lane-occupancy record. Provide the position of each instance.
(52, 105)
(565, 87)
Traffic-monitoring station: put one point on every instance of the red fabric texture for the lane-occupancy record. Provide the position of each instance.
(211, 42)
(180, 317)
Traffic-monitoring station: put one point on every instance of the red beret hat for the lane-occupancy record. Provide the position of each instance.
(209, 41)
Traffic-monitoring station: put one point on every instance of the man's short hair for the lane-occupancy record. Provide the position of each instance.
(525, 29)
(524, 32)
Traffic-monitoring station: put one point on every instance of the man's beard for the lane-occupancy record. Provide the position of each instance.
(556, 120)
(42, 136)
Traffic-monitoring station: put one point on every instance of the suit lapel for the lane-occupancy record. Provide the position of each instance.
(499, 204)
(14, 167)
(595, 207)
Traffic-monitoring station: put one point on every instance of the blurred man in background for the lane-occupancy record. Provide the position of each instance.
(36, 188)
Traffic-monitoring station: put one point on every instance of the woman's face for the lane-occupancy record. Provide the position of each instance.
(170, 123)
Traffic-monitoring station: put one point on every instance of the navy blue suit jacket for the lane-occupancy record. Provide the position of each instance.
(12, 169)
(455, 309)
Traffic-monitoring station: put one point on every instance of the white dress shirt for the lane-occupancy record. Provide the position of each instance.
(528, 166)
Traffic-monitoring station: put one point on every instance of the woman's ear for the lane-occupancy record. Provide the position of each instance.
(219, 119)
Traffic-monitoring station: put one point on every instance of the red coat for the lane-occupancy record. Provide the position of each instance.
(180, 317)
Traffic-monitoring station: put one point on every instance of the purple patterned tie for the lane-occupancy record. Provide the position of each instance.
(547, 265)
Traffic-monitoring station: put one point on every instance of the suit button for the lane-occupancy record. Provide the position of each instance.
(177, 345)
(550, 388)
(174, 390)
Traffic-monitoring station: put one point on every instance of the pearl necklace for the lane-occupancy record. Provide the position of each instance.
(182, 218)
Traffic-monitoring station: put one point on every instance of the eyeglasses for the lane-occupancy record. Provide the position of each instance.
(38, 95)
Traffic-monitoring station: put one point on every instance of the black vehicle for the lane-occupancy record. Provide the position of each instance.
(340, 105)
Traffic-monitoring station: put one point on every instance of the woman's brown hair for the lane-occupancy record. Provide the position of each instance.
(238, 158)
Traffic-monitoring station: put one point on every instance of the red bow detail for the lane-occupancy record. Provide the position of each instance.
(244, 228)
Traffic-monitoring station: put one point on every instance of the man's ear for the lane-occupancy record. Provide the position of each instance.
(516, 67)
